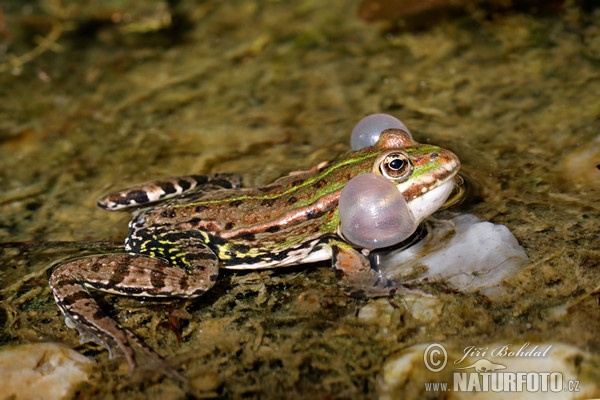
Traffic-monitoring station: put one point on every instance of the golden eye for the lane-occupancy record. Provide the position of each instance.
(396, 166)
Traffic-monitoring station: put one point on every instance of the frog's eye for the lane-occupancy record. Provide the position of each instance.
(396, 166)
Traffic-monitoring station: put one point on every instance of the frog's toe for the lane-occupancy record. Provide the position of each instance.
(148, 360)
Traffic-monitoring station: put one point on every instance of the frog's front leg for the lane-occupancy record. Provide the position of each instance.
(186, 274)
(357, 277)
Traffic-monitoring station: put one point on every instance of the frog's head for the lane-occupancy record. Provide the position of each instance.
(423, 173)
(384, 204)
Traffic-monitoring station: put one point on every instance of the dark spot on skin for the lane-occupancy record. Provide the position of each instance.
(211, 226)
(183, 283)
(274, 228)
(213, 278)
(74, 297)
(185, 185)
(279, 256)
(138, 196)
(292, 200)
(246, 236)
(217, 241)
(200, 179)
(434, 156)
(195, 221)
(229, 225)
(297, 182)
(267, 202)
(223, 180)
(242, 248)
(122, 269)
(225, 184)
(157, 280)
(247, 260)
(99, 314)
(128, 291)
(320, 183)
(311, 214)
(269, 188)
(236, 203)
(116, 278)
(95, 268)
(168, 188)
(200, 209)
(339, 274)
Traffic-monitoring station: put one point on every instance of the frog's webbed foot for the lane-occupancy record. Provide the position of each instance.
(113, 336)
(358, 278)
(167, 188)
(185, 276)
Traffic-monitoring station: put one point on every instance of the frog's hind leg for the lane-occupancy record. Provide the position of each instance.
(185, 276)
(162, 189)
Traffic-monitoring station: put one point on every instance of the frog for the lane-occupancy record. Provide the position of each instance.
(185, 229)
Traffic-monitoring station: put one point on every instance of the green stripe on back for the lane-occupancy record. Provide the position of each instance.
(329, 189)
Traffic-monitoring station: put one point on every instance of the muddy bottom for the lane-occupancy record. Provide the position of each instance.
(121, 95)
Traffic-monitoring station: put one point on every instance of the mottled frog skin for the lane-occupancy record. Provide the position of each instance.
(184, 229)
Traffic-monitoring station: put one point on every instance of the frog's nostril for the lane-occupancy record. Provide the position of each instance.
(434, 156)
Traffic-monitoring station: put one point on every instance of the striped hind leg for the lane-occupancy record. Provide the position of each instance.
(183, 276)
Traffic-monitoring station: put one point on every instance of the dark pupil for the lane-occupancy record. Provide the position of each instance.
(396, 164)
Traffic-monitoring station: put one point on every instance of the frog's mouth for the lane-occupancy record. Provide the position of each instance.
(459, 192)
(428, 203)
(433, 196)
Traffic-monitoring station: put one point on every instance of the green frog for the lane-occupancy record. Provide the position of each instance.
(185, 229)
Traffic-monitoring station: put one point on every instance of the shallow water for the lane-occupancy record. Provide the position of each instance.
(265, 88)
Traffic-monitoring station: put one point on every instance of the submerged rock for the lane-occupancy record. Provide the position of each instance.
(464, 252)
(45, 371)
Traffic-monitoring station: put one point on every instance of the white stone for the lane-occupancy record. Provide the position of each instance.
(464, 252)
(399, 370)
(426, 309)
(45, 371)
